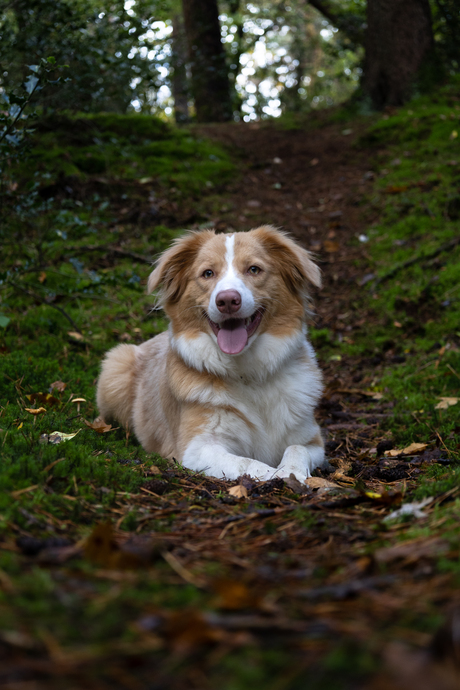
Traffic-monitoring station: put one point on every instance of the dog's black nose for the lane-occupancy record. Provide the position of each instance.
(228, 301)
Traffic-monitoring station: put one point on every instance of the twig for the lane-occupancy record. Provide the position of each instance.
(453, 371)
(105, 248)
(410, 262)
(48, 304)
(181, 571)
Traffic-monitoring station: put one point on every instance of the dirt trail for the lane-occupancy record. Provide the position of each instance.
(313, 184)
(310, 183)
(298, 586)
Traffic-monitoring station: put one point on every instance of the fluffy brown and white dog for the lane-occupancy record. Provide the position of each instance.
(231, 387)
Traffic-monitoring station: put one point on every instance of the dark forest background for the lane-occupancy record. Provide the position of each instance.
(217, 61)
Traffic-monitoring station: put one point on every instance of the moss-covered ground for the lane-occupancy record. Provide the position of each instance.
(121, 570)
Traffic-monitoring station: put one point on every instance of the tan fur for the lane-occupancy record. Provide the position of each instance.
(166, 401)
(116, 388)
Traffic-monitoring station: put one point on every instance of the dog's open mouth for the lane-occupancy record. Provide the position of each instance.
(233, 334)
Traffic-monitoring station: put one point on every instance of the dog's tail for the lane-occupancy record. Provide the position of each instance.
(116, 385)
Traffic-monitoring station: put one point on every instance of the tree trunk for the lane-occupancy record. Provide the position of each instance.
(210, 83)
(179, 76)
(399, 39)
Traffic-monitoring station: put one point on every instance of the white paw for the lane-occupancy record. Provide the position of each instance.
(286, 469)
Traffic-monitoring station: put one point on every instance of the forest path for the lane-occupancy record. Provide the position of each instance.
(312, 183)
(316, 183)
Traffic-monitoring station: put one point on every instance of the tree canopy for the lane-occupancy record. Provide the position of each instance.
(262, 58)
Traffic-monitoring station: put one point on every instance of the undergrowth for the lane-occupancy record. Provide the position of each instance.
(73, 271)
(413, 294)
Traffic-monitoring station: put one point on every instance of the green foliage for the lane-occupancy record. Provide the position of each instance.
(129, 147)
(14, 130)
(45, 255)
(106, 50)
(414, 295)
(446, 29)
(310, 65)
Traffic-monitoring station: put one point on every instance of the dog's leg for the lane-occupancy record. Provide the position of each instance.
(205, 455)
(301, 461)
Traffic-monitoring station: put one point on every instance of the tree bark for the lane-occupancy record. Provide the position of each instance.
(210, 83)
(179, 80)
(350, 24)
(399, 39)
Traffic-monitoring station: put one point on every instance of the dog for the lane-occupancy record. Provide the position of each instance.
(230, 389)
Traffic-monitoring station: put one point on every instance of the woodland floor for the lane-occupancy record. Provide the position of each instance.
(289, 586)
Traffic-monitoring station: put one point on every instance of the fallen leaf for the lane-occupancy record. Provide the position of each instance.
(413, 449)
(445, 403)
(186, 630)
(375, 395)
(99, 425)
(319, 483)
(39, 410)
(102, 548)
(234, 595)
(373, 495)
(153, 469)
(238, 491)
(75, 335)
(414, 509)
(393, 189)
(59, 436)
(43, 399)
(59, 386)
(330, 246)
(453, 134)
(293, 483)
(339, 476)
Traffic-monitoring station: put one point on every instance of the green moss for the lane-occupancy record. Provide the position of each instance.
(127, 147)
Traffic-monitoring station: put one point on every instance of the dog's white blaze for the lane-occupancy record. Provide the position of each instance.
(230, 257)
(231, 281)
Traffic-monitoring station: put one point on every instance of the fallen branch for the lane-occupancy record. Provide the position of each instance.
(108, 249)
(416, 259)
(48, 304)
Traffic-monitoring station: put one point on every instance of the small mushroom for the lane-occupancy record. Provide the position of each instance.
(78, 401)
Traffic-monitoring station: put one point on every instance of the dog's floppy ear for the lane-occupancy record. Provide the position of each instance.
(294, 262)
(173, 266)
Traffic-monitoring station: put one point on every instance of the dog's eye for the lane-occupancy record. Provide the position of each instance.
(208, 273)
(254, 270)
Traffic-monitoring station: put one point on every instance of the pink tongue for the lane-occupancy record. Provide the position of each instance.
(232, 340)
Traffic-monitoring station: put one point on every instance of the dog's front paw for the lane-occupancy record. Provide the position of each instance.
(285, 470)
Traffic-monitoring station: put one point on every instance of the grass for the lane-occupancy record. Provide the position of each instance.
(63, 306)
(413, 298)
(128, 147)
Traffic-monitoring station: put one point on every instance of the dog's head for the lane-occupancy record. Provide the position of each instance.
(235, 287)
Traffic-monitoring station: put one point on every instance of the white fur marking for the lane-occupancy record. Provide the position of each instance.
(231, 281)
